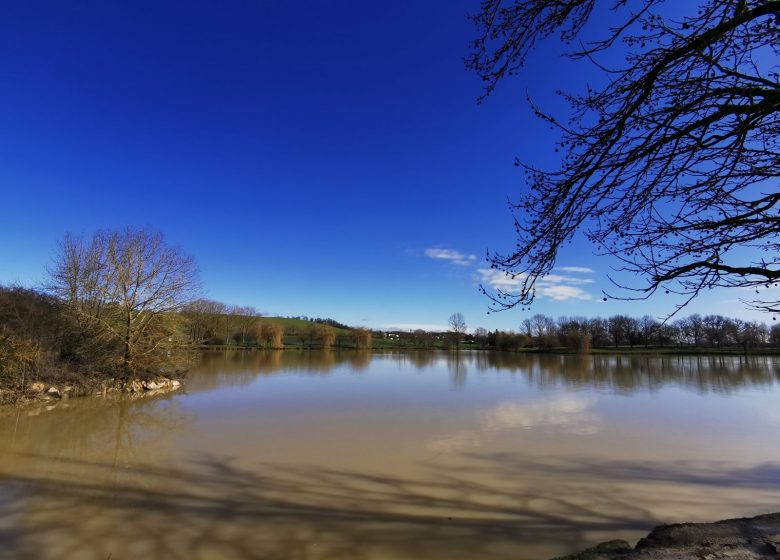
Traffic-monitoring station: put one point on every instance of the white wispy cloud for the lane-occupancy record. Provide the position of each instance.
(556, 287)
(563, 293)
(575, 269)
(450, 255)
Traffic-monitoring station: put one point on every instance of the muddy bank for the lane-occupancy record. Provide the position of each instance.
(754, 538)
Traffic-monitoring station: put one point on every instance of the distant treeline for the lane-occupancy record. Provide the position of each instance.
(542, 332)
(581, 333)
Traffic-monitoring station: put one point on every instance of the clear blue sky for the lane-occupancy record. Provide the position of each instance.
(323, 158)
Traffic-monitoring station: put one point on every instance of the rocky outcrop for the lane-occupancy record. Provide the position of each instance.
(38, 391)
(755, 538)
(158, 384)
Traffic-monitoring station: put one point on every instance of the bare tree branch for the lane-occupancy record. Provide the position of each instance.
(672, 166)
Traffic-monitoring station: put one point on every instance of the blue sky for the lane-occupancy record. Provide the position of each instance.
(317, 158)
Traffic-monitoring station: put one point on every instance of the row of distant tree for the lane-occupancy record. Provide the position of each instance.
(582, 333)
(709, 331)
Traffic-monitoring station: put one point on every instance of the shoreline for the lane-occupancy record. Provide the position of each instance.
(605, 351)
(54, 390)
(65, 384)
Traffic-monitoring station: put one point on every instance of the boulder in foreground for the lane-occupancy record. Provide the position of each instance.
(755, 538)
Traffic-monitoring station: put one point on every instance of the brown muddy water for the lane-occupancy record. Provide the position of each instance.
(344, 455)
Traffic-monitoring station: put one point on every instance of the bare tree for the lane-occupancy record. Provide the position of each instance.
(203, 317)
(481, 335)
(457, 326)
(362, 338)
(270, 335)
(246, 319)
(647, 327)
(422, 338)
(325, 334)
(126, 287)
(672, 165)
(542, 325)
(774, 335)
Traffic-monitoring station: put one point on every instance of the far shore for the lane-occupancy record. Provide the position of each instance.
(605, 351)
(66, 384)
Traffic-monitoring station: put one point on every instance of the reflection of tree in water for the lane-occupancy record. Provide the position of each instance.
(114, 432)
(420, 359)
(359, 360)
(486, 505)
(456, 364)
(624, 373)
(631, 373)
(119, 428)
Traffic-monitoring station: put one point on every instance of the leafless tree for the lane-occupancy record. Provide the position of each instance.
(457, 326)
(229, 323)
(774, 335)
(422, 338)
(542, 325)
(126, 288)
(672, 165)
(527, 327)
(245, 319)
(270, 335)
(325, 334)
(203, 318)
(362, 338)
(480, 335)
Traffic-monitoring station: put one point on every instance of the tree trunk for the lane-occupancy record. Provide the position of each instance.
(126, 361)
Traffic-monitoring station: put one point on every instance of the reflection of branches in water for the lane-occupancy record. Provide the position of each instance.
(631, 373)
(489, 506)
(117, 430)
(623, 373)
(239, 368)
(420, 359)
(456, 364)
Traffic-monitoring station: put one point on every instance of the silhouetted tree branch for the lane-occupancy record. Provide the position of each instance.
(672, 166)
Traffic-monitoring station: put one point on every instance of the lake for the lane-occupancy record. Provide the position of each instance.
(398, 455)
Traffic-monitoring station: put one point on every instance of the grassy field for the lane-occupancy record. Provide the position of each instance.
(296, 324)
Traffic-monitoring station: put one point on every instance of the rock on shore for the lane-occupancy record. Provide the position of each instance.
(755, 538)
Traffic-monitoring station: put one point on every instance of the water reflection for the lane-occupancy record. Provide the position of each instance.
(564, 414)
(486, 505)
(721, 374)
(116, 431)
(456, 364)
(337, 454)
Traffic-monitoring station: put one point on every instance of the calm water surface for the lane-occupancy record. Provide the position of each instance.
(342, 455)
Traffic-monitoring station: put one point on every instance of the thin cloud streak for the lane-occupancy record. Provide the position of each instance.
(450, 255)
(575, 269)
